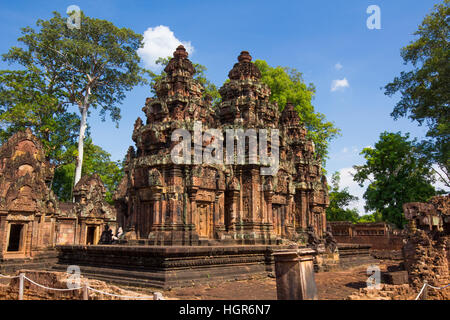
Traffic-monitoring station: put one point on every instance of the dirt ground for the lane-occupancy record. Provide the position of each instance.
(334, 285)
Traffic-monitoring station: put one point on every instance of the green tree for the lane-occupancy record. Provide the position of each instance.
(397, 174)
(372, 217)
(286, 84)
(339, 200)
(210, 88)
(96, 160)
(425, 90)
(89, 67)
(27, 102)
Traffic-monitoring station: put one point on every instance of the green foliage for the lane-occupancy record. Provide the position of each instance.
(96, 160)
(95, 64)
(210, 88)
(26, 102)
(339, 200)
(373, 217)
(287, 84)
(425, 90)
(63, 181)
(397, 174)
(88, 67)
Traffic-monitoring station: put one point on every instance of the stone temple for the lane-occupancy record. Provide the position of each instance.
(188, 204)
(32, 220)
(183, 221)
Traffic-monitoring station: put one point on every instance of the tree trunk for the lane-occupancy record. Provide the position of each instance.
(83, 126)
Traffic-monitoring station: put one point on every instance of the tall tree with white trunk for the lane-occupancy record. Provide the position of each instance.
(90, 66)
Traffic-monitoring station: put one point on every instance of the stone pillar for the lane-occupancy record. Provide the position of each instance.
(304, 210)
(294, 270)
(156, 219)
(28, 238)
(3, 232)
(216, 213)
(234, 207)
(254, 205)
(269, 195)
(221, 203)
(82, 232)
(193, 207)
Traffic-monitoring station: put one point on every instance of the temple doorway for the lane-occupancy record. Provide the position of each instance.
(277, 212)
(204, 227)
(15, 238)
(91, 235)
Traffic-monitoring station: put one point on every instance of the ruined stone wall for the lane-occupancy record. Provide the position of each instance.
(32, 220)
(376, 242)
(380, 236)
(426, 250)
(59, 280)
(426, 259)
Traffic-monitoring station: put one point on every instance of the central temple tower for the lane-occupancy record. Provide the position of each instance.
(164, 203)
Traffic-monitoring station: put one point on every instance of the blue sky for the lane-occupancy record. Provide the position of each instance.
(325, 40)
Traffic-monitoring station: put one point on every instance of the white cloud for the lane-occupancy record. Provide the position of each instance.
(347, 174)
(339, 84)
(338, 66)
(353, 150)
(439, 184)
(159, 42)
(353, 188)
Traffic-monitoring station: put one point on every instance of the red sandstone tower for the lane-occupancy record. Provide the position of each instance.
(166, 203)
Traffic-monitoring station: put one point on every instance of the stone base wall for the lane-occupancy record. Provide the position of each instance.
(178, 266)
(327, 262)
(376, 242)
(352, 255)
(171, 240)
(41, 261)
(164, 266)
(387, 254)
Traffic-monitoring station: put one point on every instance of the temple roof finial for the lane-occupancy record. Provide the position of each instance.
(180, 52)
(180, 64)
(245, 57)
(244, 69)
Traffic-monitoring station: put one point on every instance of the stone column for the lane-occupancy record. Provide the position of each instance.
(254, 205)
(234, 207)
(269, 195)
(193, 207)
(3, 232)
(294, 270)
(155, 211)
(216, 213)
(37, 236)
(218, 222)
(28, 239)
(304, 210)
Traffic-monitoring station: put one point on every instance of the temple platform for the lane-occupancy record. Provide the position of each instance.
(180, 266)
(40, 261)
(167, 266)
